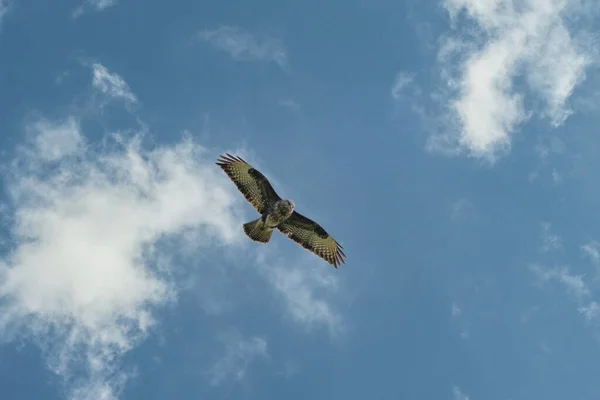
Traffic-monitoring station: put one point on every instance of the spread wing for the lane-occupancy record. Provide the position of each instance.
(254, 186)
(313, 237)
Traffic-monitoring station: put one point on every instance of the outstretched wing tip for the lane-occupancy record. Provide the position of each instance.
(226, 159)
(340, 257)
(254, 186)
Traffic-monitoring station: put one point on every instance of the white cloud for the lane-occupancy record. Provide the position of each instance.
(55, 140)
(459, 394)
(242, 45)
(592, 251)
(403, 79)
(529, 40)
(556, 176)
(111, 85)
(550, 240)
(590, 311)
(555, 146)
(306, 287)
(580, 287)
(573, 283)
(456, 311)
(87, 268)
(408, 95)
(95, 5)
(461, 325)
(550, 148)
(239, 353)
(4, 6)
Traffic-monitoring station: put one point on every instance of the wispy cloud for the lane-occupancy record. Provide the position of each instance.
(590, 311)
(573, 283)
(546, 152)
(4, 7)
(401, 82)
(307, 287)
(460, 323)
(87, 267)
(461, 210)
(456, 311)
(93, 5)
(291, 105)
(579, 286)
(111, 84)
(459, 394)
(408, 95)
(592, 251)
(528, 314)
(243, 45)
(532, 41)
(239, 353)
(550, 240)
(551, 243)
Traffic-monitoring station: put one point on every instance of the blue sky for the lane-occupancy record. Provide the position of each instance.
(450, 146)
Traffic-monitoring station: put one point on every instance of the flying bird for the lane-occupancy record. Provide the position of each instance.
(276, 213)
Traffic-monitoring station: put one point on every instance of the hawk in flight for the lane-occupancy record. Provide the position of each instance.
(277, 213)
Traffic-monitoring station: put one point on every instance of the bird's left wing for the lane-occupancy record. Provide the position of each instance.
(254, 186)
(313, 237)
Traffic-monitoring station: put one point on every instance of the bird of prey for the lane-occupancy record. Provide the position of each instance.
(277, 213)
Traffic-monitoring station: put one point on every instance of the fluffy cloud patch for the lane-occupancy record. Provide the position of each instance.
(55, 140)
(529, 40)
(85, 272)
(243, 45)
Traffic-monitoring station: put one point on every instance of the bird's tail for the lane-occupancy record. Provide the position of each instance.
(257, 231)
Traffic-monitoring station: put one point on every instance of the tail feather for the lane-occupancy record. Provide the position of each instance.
(257, 231)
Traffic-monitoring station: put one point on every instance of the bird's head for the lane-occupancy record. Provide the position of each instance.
(290, 204)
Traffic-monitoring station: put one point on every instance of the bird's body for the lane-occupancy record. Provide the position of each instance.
(277, 213)
(261, 229)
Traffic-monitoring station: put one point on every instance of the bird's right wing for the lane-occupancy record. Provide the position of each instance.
(254, 186)
(310, 235)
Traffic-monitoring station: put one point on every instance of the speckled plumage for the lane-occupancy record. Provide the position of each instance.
(277, 213)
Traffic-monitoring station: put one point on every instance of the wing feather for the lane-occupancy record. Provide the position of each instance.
(255, 187)
(313, 237)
